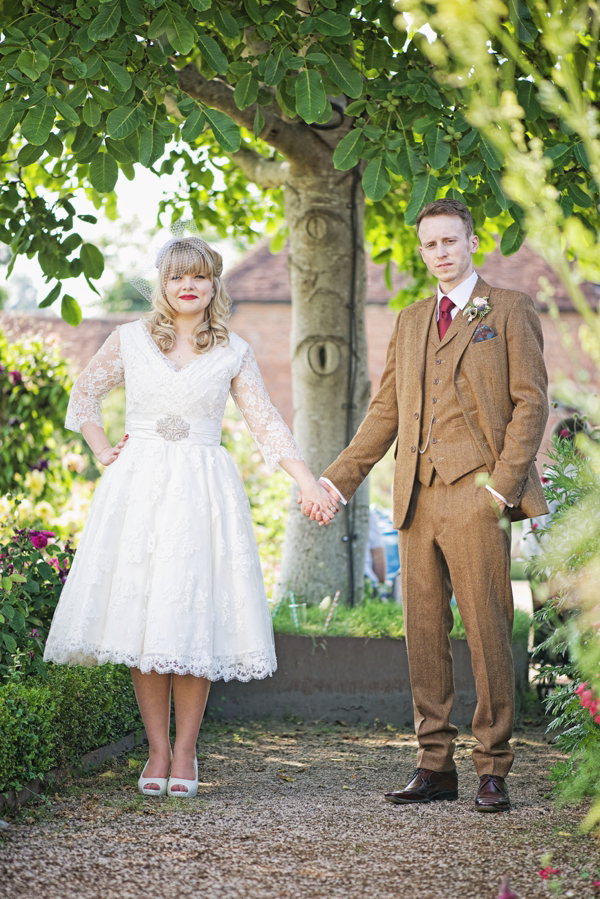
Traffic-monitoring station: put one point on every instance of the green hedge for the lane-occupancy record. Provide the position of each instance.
(49, 724)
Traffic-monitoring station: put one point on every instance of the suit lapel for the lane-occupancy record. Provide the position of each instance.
(467, 329)
(422, 323)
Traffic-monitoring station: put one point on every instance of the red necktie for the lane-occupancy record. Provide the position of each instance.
(445, 319)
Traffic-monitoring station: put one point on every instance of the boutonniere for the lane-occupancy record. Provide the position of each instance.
(477, 307)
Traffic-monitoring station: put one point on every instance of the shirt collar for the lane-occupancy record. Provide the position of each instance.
(460, 295)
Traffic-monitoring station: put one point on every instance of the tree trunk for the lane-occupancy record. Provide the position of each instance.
(331, 387)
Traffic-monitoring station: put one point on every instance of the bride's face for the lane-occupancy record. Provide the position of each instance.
(189, 294)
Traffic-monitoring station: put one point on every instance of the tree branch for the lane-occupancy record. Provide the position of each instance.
(294, 140)
(264, 172)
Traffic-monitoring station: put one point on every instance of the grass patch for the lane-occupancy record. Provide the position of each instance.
(372, 618)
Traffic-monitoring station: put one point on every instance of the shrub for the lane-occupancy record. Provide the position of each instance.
(34, 394)
(45, 724)
(32, 570)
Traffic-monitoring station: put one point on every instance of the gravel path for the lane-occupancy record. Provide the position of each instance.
(292, 810)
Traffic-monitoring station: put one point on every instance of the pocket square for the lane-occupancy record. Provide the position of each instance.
(483, 332)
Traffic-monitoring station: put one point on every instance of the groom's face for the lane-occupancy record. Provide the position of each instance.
(446, 250)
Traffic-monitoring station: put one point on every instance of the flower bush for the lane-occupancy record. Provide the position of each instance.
(33, 569)
(569, 568)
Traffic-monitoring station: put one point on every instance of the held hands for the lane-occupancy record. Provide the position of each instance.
(108, 454)
(319, 503)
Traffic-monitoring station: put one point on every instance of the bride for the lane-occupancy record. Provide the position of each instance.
(167, 578)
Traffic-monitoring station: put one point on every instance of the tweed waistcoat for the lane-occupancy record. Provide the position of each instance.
(450, 450)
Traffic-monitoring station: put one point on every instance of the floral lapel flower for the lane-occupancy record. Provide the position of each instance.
(477, 307)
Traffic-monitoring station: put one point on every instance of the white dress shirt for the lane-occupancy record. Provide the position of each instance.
(460, 296)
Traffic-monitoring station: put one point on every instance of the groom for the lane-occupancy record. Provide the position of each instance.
(464, 393)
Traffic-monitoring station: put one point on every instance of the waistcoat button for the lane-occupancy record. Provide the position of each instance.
(434, 440)
(438, 361)
(413, 449)
(436, 380)
(416, 416)
(434, 400)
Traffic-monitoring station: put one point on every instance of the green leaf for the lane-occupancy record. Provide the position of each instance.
(116, 75)
(579, 197)
(7, 583)
(356, 107)
(10, 642)
(558, 153)
(520, 17)
(52, 296)
(9, 116)
(201, 5)
(159, 24)
(78, 66)
(225, 22)
(332, 23)
(344, 75)
(70, 309)
(512, 239)
(91, 113)
(526, 95)
(438, 149)
(133, 12)
(193, 125)
(212, 53)
(246, 91)
(311, 98)
(66, 111)
(106, 22)
(181, 35)
(38, 123)
(93, 261)
(225, 130)
(54, 146)
(259, 122)
(581, 155)
(494, 181)
(104, 172)
(468, 141)
(122, 121)
(490, 155)
(376, 180)
(152, 146)
(275, 67)
(423, 191)
(26, 63)
(29, 154)
(347, 153)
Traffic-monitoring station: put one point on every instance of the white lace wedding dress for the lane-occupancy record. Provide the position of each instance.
(167, 575)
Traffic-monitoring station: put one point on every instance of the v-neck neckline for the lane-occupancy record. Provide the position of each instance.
(169, 362)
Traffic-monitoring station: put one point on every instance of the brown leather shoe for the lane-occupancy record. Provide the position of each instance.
(492, 795)
(425, 786)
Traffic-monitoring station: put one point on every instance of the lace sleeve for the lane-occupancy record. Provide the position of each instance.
(262, 418)
(98, 378)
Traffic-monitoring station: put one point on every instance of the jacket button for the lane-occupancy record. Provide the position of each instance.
(413, 449)
(434, 440)
(416, 416)
(434, 400)
(436, 380)
(438, 361)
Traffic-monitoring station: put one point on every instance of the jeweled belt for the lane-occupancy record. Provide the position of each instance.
(174, 429)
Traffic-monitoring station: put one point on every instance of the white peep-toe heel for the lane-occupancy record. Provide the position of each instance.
(151, 791)
(192, 785)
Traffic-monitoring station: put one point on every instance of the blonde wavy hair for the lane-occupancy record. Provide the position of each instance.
(182, 256)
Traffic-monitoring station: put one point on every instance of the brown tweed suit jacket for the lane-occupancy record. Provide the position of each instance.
(501, 386)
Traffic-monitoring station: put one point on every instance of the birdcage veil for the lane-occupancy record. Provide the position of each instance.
(185, 251)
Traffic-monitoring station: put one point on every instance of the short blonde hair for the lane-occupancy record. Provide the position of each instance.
(181, 256)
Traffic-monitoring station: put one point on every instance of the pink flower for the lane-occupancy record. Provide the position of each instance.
(597, 719)
(594, 706)
(586, 698)
(545, 480)
(39, 540)
(534, 525)
(15, 377)
(564, 432)
(579, 690)
(547, 871)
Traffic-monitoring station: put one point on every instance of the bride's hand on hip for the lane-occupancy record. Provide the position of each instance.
(108, 455)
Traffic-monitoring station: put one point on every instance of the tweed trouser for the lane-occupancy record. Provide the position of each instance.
(452, 539)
